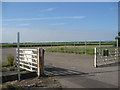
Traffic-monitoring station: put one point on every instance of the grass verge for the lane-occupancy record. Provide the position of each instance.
(43, 82)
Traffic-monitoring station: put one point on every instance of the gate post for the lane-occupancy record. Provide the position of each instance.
(40, 71)
(95, 57)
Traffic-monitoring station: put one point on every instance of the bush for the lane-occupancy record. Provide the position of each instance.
(10, 60)
(12, 68)
(0, 64)
(5, 69)
(61, 48)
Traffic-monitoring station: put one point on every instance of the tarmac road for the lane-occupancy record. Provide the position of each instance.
(76, 71)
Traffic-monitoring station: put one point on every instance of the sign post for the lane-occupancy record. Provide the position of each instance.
(18, 41)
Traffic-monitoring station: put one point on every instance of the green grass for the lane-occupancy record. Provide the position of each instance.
(65, 47)
(10, 65)
(55, 44)
(10, 60)
(77, 49)
(9, 68)
(6, 68)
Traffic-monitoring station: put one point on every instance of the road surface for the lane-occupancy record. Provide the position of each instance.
(76, 71)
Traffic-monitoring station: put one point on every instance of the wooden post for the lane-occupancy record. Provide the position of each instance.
(100, 43)
(40, 62)
(65, 47)
(117, 42)
(85, 47)
(74, 48)
(95, 57)
(57, 46)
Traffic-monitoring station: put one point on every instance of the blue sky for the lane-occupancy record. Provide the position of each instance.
(39, 22)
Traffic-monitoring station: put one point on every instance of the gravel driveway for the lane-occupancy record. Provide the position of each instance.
(76, 71)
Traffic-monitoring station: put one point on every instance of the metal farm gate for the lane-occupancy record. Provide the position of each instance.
(106, 55)
(31, 60)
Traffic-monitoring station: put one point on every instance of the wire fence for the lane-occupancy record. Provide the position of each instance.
(77, 47)
(80, 47)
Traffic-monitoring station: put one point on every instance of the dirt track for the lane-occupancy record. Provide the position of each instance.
(76, 71)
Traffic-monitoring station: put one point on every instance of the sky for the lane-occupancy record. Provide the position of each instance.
(60, 21)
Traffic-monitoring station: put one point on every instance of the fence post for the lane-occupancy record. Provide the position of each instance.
(95, 57)
(57, 46)
(117, 43)
(51, 45)
(85, 47)
(65, 47)
(18, 46)
(74, 48)
(100, 43)
(41, 45)
(116, 53)
(40, 62)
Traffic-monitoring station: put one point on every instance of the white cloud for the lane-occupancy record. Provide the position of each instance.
(45, 18)
(5, 24)
(42, 35)
(113, 8)
(49, 9)
(75, 17)
(58, 23)
(24, 24)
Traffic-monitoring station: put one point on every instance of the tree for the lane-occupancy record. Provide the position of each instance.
(118, 38)
(118, 33)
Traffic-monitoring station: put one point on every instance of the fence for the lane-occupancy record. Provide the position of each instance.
(31, 60)
(77, 47)
(86, 47)
(106, 55)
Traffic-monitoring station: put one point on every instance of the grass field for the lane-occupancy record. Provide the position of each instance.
(7, 45)
(75, 49)
(66, 47)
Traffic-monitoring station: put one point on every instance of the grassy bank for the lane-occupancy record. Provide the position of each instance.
(32, 83)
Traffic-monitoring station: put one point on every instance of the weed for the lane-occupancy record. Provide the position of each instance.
(10, 60)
